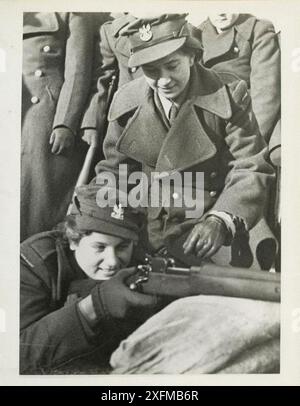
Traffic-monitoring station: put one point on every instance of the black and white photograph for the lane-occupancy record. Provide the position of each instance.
(150, 190)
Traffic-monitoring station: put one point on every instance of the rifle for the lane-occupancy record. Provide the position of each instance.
(160, 276)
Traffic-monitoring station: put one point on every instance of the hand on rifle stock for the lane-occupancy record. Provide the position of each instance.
(206, 238)
(91, 136)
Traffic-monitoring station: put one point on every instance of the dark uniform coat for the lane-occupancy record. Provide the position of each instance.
(57, 55)
(111, 59)
(249, 50)
(53, 332)
(213, 133)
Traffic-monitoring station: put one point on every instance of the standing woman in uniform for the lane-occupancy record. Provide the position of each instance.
(111, 55)
(57, 58)
(246, 47)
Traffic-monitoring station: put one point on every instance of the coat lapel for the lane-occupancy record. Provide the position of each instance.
(215, 44)
(147, 140)
(245, 25)
(143, 137)
(40, 22)
(186, 143)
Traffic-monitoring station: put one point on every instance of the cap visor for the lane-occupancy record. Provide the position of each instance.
(101, 226)
(155, 52)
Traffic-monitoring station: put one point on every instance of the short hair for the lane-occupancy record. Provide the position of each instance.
(70, 232)
(191, 51)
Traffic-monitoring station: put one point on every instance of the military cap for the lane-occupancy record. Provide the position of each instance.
(115, 218)
(156, 37)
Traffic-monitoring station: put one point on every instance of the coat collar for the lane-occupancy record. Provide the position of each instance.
(215, 44)
(245, 25)
(146, 138)
(206, 91)
(40, 22)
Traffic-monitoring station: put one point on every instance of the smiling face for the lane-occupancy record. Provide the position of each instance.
(100, 256)
(223, 21)
(169, 75)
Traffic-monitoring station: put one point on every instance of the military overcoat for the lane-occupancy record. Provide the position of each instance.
(249, 50)
(214, 133)
(111, 59)
(57, 56)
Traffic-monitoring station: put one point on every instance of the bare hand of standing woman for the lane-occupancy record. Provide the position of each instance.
(61, 140)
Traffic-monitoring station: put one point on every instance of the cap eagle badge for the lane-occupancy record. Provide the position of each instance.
(118, 212)
(145, 32)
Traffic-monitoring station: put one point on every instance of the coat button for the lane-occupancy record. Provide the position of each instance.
(236, 50)
(38, 73)
(213, 193)
(133, 70)
(46, 48)
(176, 196)
(35, 100)
(213, 175)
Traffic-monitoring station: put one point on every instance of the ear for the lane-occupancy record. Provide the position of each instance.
(192, 59)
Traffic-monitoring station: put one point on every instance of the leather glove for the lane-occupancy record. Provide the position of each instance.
(82, 287)
(113, 298)
(206, 237)
(61, 139)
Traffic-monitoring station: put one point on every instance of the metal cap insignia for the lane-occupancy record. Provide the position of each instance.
(145, 32)
(118, 212)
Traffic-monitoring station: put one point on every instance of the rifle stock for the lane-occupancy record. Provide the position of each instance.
(91, 153)
(208, 279)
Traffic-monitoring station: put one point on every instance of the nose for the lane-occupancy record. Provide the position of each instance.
(164, 81)
(164, 78)
(111, 260)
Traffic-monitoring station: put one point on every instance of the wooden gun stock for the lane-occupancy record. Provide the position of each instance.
(91, 153)
(159, 278)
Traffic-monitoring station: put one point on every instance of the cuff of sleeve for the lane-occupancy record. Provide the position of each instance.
(227, 219)
(64, 126)
(89, 332)
(235, 225)
(98, 302)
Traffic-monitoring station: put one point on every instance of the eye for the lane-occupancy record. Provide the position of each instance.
(172, 66)
(124, 246)
(100, 248)
(150, 70)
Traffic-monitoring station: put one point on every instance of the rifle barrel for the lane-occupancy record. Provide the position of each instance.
(210, 279)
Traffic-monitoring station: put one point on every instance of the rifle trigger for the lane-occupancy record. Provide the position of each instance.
(143, 277)
(137, 284)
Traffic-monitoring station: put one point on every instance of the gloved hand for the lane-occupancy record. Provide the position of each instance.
(61, 139)
(113, 298)
(206, 237)
(82, 287)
